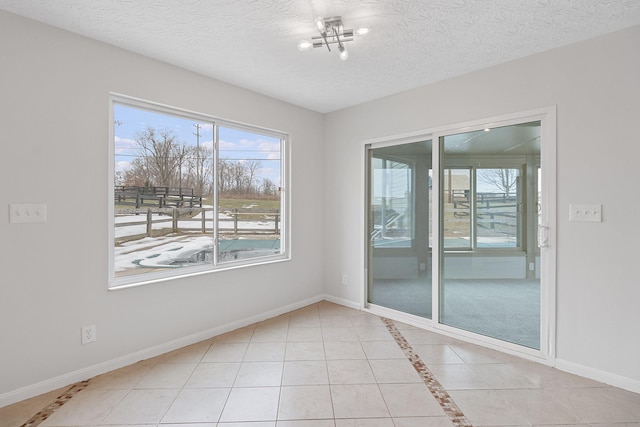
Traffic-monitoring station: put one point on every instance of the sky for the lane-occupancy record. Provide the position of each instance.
(233, 144)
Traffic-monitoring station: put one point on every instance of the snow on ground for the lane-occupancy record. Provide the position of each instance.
(176, 251)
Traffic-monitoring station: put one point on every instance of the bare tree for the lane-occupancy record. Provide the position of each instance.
(503, 179)
(162, 155)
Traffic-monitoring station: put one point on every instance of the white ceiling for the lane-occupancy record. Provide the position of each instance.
(253, 43)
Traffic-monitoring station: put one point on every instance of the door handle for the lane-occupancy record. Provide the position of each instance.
(543, 236)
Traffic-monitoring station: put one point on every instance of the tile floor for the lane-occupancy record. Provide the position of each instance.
(329, 366)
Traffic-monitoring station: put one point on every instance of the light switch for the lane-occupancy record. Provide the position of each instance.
(588, 213)
(24, 213)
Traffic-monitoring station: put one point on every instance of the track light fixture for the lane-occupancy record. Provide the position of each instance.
(331, 32)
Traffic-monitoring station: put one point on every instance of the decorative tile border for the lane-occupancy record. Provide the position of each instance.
(48, 410)
(442, 397)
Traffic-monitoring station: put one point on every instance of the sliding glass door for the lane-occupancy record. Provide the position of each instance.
(454, 221)
(488, 281)
(399, 213)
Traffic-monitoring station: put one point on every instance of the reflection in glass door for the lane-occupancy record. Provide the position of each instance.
(399, 206)
(489, 278)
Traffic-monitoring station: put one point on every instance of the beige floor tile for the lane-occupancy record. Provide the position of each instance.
(189, 354)
(350, 372)
(410, 400)
(237, 336)
(366, 319)
(305, 372)
(629, 400)
(382, 350)
(344, 350)
(124, 378)
(259, 374)
(167, 375)
(142, 407)
(304, 334)
(207, 375)
(336, 321)
(395, 371)
(251, 404)
(471, 353)
(457, 377)
(373, 333)
(365, 422)
(197, 406)
(18, 413)
(419, 336)
(338, 334)
(269, 334)
(245, 424)
(184, 425)
(358, 401)
(437, 354)
(590, 405)
(538, 407)
(265, 352)
(422, 422)
(305, 402)
(226, 352)
(501, 376)
(88, 407)
(306, 423)
(487, 408)
(311, 350)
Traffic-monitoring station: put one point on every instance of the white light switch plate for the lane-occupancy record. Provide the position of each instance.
(24, 213)
(588, 213)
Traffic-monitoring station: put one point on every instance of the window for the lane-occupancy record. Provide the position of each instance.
(192, 193)
(392, 203)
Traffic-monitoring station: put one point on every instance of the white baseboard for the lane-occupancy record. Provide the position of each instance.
(598, 375)
(342, 301)
(100, 368)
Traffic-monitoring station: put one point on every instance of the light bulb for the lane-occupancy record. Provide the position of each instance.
(304, 45)
(344, 54)
(362, 31)
(321, 25)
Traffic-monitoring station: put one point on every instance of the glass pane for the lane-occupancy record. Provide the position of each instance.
(492, 287)
(457, 208)
(163, 188)
(249, 198)
(392, 204)
(497, 198)
(399, 228)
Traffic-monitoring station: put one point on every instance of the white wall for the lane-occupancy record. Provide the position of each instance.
(54, 123)
(596, 87)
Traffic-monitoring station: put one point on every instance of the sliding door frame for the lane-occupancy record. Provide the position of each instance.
(547, 231)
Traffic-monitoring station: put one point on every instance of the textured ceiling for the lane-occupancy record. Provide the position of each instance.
(253, 43)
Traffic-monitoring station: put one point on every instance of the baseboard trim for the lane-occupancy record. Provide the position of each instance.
(598, 375)
(342, 301)
(120, 362)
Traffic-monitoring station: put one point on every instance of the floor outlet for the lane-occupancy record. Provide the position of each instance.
(88, 334)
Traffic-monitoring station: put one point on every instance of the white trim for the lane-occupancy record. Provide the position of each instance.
(342, 301)
(127, 281)
(128, 359)
(547, 117)
(609, 378)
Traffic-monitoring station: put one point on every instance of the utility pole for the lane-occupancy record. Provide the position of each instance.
(197, 134)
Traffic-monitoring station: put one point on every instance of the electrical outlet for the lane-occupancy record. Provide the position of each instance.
(88, 334)
(345, 279)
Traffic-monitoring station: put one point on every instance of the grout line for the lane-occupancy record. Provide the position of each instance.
(437, 390)
(48, 410)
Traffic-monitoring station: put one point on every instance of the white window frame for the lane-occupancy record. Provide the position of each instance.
(172, 274)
